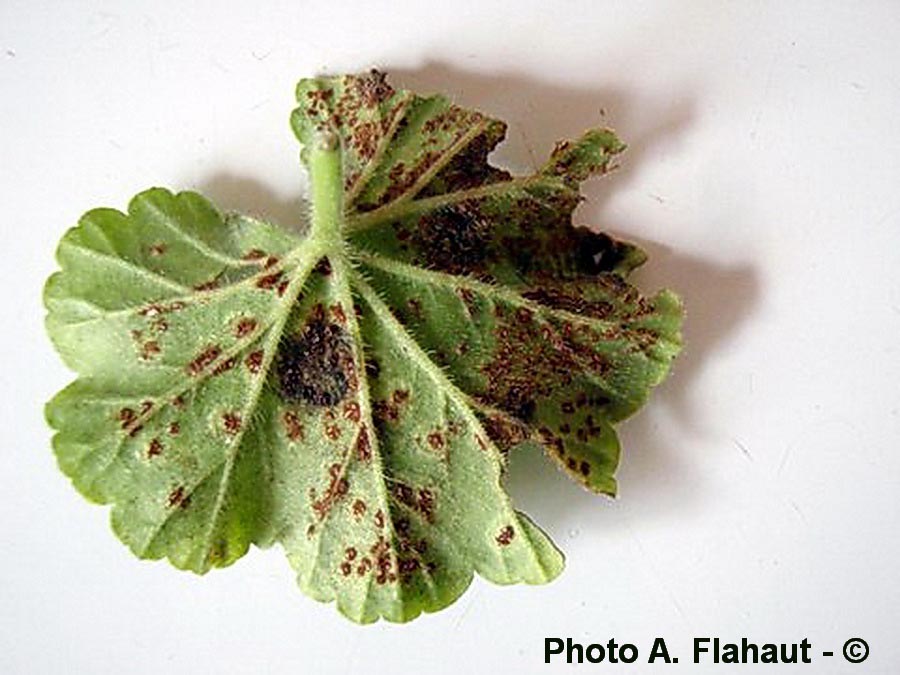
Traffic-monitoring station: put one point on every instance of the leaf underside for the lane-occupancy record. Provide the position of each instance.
(355, 403)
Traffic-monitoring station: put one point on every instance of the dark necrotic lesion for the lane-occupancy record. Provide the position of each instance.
(314, 366)
(453, 239)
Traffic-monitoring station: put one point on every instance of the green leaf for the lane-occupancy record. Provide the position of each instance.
(353, 393)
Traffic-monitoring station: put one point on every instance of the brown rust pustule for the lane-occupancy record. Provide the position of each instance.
(293, 428)
(204, 359)
(506, 535)
(372, 88)
(506, 431)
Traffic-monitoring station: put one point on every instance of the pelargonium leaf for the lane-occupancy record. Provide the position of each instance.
(353, 393)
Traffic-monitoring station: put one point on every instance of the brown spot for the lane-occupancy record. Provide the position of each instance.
(351, 411)
(150, 349)
(333, 431)
(385, 411)
(585, 468)
(468, 297)
(293, 429)
(422, 502)
(570, 299)
(225, 366)
(204, 359)
(407, 566)
(364, 139)
(134, 431)
(244, 327)
(158, 249)
(359, 508)
(363, 445)
(319, 98)
(506, 535)
(346, 568)
(127, 417)
(436, 440)
(271, 261)
(178, 497)
(552, 442)
(282, 287)
(426, 504)
(389, 411)
(150, 310)
(505, 431)
(269, 281)
(231, 422)
(254, 361)
(178, 401)
(404, 494)
(364, 566)
(338, 313)
(156, 309)
(350, 553)
(338, 486)
(373, 88)
(174, 429)
(210, 285)
(155, 448)
(254, 254)
(379, 519)
(593, 430)
(381, 552)
(323, 267)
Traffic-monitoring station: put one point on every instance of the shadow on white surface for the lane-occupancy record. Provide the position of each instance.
(654, 473)
(243, 194)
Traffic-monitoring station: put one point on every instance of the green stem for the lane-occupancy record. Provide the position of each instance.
(326, 191)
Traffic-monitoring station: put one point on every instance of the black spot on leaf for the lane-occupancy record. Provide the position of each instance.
(316, 366)
(454, 239)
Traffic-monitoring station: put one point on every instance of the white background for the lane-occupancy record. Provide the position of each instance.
(759, 489)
